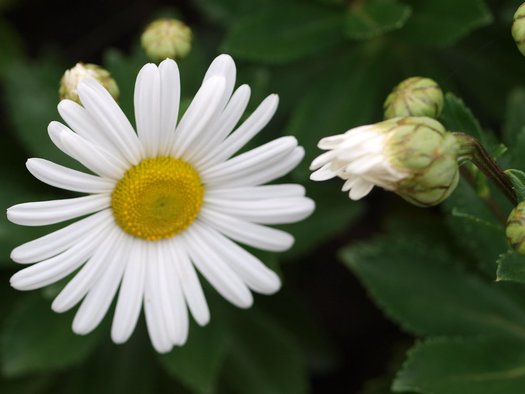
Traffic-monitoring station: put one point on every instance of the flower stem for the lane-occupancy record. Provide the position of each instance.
(472, 149)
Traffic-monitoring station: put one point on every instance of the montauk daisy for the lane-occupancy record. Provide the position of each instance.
(161, 204)
(414, 157)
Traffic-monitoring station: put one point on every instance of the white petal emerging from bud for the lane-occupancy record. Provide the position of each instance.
(414, 157)
(358, 156)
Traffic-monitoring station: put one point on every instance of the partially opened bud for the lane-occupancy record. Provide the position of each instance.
(516, 228)
(166, 38)
(518, 28)
(414, 96)
(414, 157)
(72, 77)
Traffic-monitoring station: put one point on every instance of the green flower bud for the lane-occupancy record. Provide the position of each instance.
(72, 77)
(414, 157)
(166, 38)
(516, 228)
(414, 96)
(423, 148)
(518, 28)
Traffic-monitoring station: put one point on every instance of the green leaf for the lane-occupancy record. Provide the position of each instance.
(461, 366)
(477, 226)
(514, 117)
(442, 23)
(511, 267)
(456, 116)
(197, 364)
(296, 317)
(131, 368)
(420, 285)
(227, 12)
(285, 33)
(31, 100)
(334, 212)
(34, 339)
(345, 96)
(263, 358)
(37, 384)
(517, 178)
(369, 19)
(10, 46)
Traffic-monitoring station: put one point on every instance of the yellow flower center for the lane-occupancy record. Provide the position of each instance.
(157, 198)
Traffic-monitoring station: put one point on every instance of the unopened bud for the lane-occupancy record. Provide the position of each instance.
(73, 76)
(414, 96)
(516, 228)
(414, 157)
(166, 38)
(518, 28)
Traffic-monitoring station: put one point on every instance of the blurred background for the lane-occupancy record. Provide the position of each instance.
(332, 69)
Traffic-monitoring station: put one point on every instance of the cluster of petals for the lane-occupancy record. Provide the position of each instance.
(161, 277)
(359, 158)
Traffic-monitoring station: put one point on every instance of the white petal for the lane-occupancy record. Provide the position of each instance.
(247, 233)
(91, 156)
(172, 300)
(100, 161)
(251, 270)
(108, 115)
(58, 241)
(322, 160)
(84, 280)
(215, 270)
(55, 211)
(223, 66)
(269, 211)
(131, 294)
(250, 127)
(189, 281)
(257, 192)
(169, 103)
(223, 125)
(83, 124)
(152, 306)
(68, 179)
(96, 304)
(52, 270)
(254, 160)
(203, 107)
(271, 171)
(147, 108)
(360, 189)
(323, 174)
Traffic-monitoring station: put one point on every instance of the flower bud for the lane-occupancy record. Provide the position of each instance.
(414, 96)
(414, 157)
(166, 38)
(516, 228)
(72, 77)
(518, 28)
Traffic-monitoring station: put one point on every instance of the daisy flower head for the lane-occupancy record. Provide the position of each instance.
(414, 157)
(163, 203)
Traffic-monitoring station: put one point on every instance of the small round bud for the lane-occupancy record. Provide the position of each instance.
(518, 28)
(166, 38)
(414, 96)
(73, 76)
(422, 148)
(516, 228)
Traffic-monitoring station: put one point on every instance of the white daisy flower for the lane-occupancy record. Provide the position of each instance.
(161, 204)
(414, 157)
